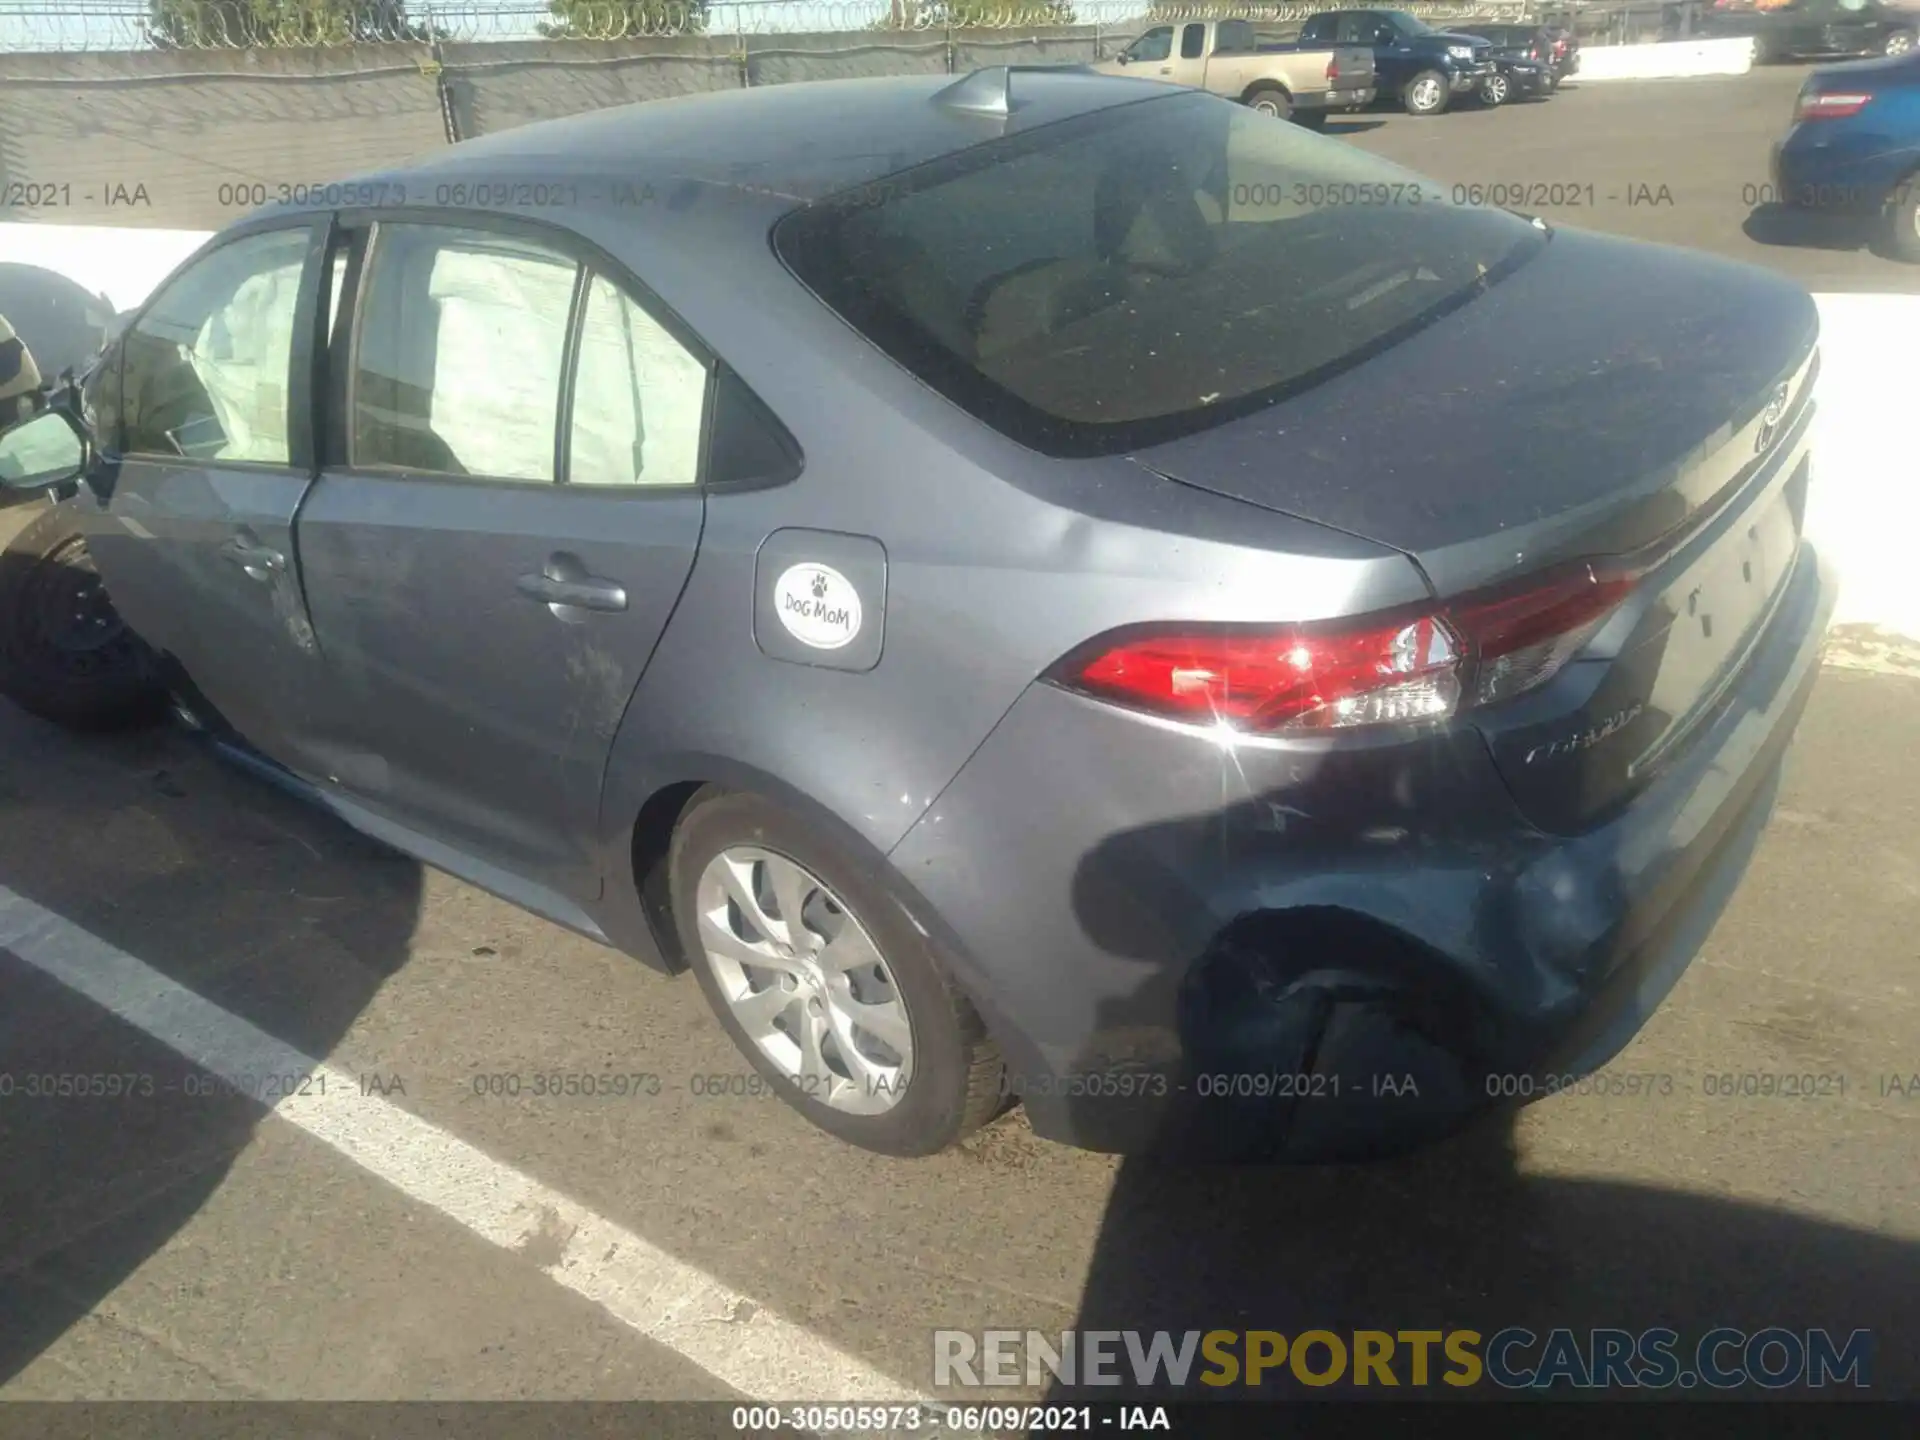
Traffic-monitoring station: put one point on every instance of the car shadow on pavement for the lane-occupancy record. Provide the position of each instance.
(1351, 127)
(276, 913)
(1460, 1235)
(1794, 228)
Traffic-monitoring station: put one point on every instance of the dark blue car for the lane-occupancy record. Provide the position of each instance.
(1855, 146)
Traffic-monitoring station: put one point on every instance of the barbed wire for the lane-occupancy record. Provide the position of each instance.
(37, 26)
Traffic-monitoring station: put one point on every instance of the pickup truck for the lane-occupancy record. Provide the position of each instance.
(1292, 82)
(1425, 67)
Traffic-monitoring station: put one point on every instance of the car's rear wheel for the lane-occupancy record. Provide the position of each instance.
(65, 653)
(827, 987)
(1495, 90)
(1903, 221)
(1270, 99)
(1425, 94)
(1899, 43)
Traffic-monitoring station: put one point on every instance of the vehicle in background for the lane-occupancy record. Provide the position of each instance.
(1854, 147)
(1424, 68)
(56, 318)
(1557, 51)
(1226, 58)
(1813, 29)
(1218, 614)
(1515, 78)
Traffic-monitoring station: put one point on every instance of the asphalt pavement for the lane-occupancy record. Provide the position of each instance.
(419, 1231)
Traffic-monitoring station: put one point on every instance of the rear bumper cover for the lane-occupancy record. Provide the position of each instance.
(1179, 944)
(1823, 166)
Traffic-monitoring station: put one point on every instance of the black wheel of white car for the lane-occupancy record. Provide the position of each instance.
(1425, 94)
(1270, 99)
(1900, 42)
(826, 986)
(1494, 90)
(65, 654)
(1903, 221)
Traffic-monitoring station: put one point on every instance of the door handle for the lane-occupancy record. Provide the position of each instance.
(261, 562)
(555, 590)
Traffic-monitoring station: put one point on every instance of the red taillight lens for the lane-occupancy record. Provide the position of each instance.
(1521, 637)
(1288, 678)
(1333, 69)
(1831, 105)
(1388, 670)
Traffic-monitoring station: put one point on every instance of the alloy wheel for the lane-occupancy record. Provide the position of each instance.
(1425, 94)
(805, 980)
(1900, 43)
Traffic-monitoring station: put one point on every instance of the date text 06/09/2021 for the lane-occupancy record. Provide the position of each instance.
(934, 1419)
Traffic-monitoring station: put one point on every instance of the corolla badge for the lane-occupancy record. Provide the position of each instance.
(1585, 739)
(817, 605)
(1771, 417)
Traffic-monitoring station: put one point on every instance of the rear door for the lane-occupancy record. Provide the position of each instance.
(509, 508)
(209, 411)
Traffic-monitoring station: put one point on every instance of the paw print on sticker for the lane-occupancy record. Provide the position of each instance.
(819, 587)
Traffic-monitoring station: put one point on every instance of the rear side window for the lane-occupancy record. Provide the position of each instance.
(207, 367)
(639, 398)
(462, 343)
(1193, 41)
(1119, 279)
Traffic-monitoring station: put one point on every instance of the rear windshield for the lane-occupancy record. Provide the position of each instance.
(1149, 270)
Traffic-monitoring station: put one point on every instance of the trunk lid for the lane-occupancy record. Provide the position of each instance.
(1605, 399)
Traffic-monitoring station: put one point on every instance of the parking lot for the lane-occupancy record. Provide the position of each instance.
(420, 1231)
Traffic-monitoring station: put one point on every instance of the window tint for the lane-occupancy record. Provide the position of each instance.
(1156, 44)
(458, 360)
(1145, 271)
(1361, 29)
(1193, 41)
(638, 398)
(206, 371)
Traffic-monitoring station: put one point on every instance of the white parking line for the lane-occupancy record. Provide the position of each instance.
(736, 1340)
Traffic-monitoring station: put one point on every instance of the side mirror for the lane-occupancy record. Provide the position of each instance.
(1124, 58)
(43, 453)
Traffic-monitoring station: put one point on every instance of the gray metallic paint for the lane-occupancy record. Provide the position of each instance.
(1074, 861)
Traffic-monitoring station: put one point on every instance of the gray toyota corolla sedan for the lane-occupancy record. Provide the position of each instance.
(1037, 588)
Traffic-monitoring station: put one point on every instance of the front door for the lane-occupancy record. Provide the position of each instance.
(508, 512)
(193, 535)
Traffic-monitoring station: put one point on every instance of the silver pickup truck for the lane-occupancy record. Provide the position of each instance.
(1226, 58)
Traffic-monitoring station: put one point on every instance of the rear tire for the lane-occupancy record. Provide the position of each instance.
(1425, 94)
(1270, 99)
(1901, 42)
(65, 655)
(1903, 222)
(949, 1072)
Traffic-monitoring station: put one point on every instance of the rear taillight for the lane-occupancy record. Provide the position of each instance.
(1386, 670)
(1830, 104)
(1333, 68)
(1521, 637)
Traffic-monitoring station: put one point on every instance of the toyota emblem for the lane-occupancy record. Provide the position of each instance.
(1771, 417)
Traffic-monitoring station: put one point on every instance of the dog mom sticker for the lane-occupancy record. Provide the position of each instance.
(817, 605)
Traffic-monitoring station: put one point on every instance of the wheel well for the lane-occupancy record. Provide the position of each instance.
(1260, 86)
(652, 839)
